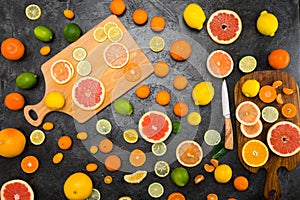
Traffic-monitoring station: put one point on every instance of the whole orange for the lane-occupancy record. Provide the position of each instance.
(140, 16)
(279, 59)
(12, 49)
(14, 101)
(117, 7)
(78, 186)
(12, 142)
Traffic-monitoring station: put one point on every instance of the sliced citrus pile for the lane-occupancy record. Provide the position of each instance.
(79, 53)
(37, 137)
(116, 55)
(88, 93)
(161, 168)
(255, 153)
(135, 177)
(159, 149)
(283, 138)
(252, 131)
(247, 64)
(157, 44)
(247, 113)
(219, 63)
(62, 71)
(33, 12)
(108, 26)
(189, 153)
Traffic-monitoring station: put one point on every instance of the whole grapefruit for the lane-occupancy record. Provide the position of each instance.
(12, 142)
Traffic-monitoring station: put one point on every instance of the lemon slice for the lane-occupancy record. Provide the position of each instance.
(159, 149)
(131, 136)
(194, 118)
(84, 68)
(135, 177)
(156, 190)
(247, 64)
(212, 137)
(269, 114)
(108, 26)
(157, 44)
(95, 195)
(161, 168)
(99, 34)
(115, 34)
(37, 137)
(125, 198)
(79, 53)
(33, 12)
(103, 126)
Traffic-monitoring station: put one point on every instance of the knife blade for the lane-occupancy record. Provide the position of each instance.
(227, 120)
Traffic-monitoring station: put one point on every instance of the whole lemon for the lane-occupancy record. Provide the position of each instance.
(194, 16)
(223, 173)
(78, 186)
(267, 23)
(54, 100)
(12, 142)
(203, 93)
(250, 88)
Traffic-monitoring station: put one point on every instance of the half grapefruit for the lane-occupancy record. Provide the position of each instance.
(284, 138)
(219, 63)
(224, 26)
(88, 93)
(155, 126)
(16, 189)
(189, 153)
(62, 71)
(247, 113)
(116, 55)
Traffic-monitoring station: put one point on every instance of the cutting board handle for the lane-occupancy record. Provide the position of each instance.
(272, 189)
(39, 110)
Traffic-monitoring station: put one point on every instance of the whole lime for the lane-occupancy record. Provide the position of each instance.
(180, 176)
(72, 32)
(123, 106)
(223, 173)
(26, 80)
(267, 23)
(250, 88)
(194, 16)
(54, 100)
(43, 33)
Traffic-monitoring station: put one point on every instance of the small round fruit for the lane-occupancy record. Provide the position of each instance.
(43, 33)
(78, 186)
(26, 80)
(131, 136)
(14, 101)
(72, 32)
(95, 195)
(194, 118)
(212, 137)
(269, 114)
(123, 106)
(203, 93)
(12, 49)
(180, 176)
(180, 50)
(33, 12)
(161, 168)
(116, 55)
(103, 126)
(241, 183)
(156, 190)
(223, 173)
(250, 88)
(247, 64)
(54, 100)
(159, 149)
(157, 44)
(37, 137)
(279, 59)
(253, 130)
(267, 23)
(194, 16)
(12, 142)
(140, 16)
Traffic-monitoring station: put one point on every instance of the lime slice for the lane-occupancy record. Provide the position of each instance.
(161, 168)
(84, 68)
(212, 137)
(108, 26)
(115, 34)
(194, 118)
(269, 114)
(131, 136)
(37, 137)
(95, 195)
(103, 126)
(247, 64)
(156, 190)
(33, 12)
(159, 149)
(157, 44)
(176, 127)
(99, 34)
(79, 53)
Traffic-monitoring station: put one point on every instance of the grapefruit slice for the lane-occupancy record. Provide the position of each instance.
(155, 126)
(224, 26)
(88, 93)
(284, 138)
(252, 131)
(219, 63)
(247, 113)
(62, 71)
(189, 153)
(116, 55)
(16, 189)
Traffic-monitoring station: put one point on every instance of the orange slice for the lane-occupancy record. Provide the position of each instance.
(289, 110)
(116, 55)
(135, 177)
(219, 64)
(267, 94)
(62, 71)
(137, 158)
(29, 164)
(189, 153)
(253, 130)
(255, 153)
(247, 113)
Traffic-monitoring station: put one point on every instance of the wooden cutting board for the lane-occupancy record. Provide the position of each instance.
(113, 79)
(272, 186)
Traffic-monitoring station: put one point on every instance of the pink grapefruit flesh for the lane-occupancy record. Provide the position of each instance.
(247, 113)
(219, 64)
(16, 189)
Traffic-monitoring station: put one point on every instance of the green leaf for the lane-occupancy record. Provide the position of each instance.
(219, 151)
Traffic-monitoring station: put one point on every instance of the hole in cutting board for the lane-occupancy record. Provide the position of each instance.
(272, 193)
(33, 115)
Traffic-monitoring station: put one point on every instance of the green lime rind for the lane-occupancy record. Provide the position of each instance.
(26, 80)
(180, 176)
(43, 33)
(72, 32)
(123, 106)
(176, 127)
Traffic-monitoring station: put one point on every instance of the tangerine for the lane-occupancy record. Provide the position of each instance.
(267, 94)
(180, 109)
(12, 49)
(140, 16)
(279, 59)
(112, 163)
(64, 142)
(241, 183)
(157, 23)
(161, 69)
(212, 196)
(176, 196)
(117, 7)
(163, 97)
(29, 164)
(180, 50)
(142, 91)
(14, 101)
(289, 110)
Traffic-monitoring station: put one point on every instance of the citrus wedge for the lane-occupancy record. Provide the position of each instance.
(135, 177)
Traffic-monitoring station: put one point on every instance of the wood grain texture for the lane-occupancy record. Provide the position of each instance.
(113, 79)
(228, 134)
(272, 187)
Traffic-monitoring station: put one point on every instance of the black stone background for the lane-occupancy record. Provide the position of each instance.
(47, 182)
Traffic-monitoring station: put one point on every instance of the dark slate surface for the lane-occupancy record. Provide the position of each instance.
(48, 181)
